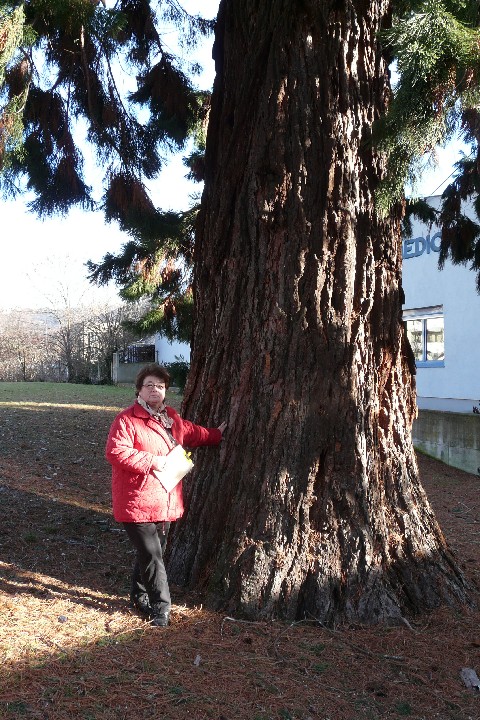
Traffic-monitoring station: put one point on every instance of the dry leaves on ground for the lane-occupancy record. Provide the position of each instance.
(71, 647)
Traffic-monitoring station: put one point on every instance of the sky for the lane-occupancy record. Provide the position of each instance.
(50, 255)
(49, 258)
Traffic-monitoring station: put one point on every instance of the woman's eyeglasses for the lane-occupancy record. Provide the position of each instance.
(150, 386)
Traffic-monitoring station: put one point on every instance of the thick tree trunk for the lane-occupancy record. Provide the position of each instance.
(313, 506)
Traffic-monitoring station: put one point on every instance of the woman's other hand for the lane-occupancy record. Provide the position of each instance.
(222, 427)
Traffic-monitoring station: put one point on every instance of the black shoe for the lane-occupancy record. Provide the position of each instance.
(141, 603)
(159, 616)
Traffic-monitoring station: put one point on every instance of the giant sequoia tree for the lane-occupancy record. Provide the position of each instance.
(314, 507)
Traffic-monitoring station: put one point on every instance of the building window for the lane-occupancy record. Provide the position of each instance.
(425, 332)
(137, 354)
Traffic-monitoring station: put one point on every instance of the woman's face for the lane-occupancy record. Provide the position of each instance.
(153, 391)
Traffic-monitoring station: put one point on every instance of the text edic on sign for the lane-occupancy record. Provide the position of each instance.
(417, 246)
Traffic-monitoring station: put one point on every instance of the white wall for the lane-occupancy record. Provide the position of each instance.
(455, 387)
(166, 351)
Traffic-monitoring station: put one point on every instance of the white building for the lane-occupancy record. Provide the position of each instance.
(126, 364)
(442, 312)
(167, 352)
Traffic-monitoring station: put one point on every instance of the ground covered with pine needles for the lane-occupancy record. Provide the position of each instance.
(70, 647)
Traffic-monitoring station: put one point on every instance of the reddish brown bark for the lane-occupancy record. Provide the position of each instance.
(312, 507)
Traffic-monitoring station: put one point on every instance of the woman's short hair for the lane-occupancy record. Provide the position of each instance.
(153, 369)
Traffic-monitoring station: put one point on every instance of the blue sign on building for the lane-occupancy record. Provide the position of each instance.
(417, 246)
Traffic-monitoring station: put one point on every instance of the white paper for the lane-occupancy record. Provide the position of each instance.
(177, 465)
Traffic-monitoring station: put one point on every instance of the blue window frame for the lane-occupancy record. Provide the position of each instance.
(425, 331)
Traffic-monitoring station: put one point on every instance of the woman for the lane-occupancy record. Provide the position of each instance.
(139, 440)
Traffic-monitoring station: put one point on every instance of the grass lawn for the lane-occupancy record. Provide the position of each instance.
(72, 394)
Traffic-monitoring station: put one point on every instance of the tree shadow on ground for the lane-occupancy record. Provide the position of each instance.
(56, 524)
(48, 546)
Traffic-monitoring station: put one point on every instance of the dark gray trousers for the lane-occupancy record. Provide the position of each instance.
(149, 574)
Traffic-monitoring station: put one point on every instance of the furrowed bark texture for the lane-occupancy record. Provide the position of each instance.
(313, 506)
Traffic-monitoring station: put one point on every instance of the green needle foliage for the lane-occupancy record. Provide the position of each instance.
(436, 46)
(13, 33)
(76, 69)
(76, 74)
(460, 234)
(155, 264)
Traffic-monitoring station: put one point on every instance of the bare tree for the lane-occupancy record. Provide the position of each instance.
(64, 344)
(23, 346)
(107, 332)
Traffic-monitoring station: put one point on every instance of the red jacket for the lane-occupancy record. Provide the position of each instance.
(134, 438)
